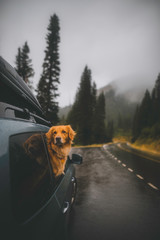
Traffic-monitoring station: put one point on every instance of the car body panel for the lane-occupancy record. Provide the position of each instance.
(21, 173)
(49, 220)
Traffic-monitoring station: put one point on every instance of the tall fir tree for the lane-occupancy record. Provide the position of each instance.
(74, 114)
(135, 126)
(156, 101)
(18, 62)
(81, 114)
(145, 111)
(109, 131)
(87, 115)
(146, 122)
(142, 118)
(27, 70)
(48, 84)
(24, 65)
(99, 130)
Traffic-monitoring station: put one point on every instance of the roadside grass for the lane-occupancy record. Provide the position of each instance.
(121, 139)
(91, 146)
(148, 146)
(145, 145)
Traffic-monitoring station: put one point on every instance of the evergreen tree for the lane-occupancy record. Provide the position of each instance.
(145, 111)
(87, 115)
(18, 62)
(120, 123)
(99, 131)
(157, 87)
(94, 96)
(81, 114)
(85, 108)
(24, 65)
(142, 118)
(109, 131)
(27, 70)
(51, 71)
(156, 101)
(135, 127)
(74, 114)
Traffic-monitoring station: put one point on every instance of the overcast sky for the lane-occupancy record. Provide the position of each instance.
(117, 39)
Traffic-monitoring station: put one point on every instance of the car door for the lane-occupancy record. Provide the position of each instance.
(39, 201)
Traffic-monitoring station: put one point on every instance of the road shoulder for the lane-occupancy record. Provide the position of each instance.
(128, 147)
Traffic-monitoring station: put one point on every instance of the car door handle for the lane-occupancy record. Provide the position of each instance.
(65, 207)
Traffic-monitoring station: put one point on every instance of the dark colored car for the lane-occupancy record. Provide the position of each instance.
(34, 204)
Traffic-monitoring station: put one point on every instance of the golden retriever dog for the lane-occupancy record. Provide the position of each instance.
(59, 140)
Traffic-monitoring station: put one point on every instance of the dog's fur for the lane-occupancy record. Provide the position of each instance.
(59, 140)
(34, 148)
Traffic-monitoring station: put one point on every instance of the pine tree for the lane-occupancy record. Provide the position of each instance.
(142, 118)
(85, 108)
(24, 65)
(120, 122)
(18, 62)
(99, 130)
(109, 131)
(135, 127)
(81, 114)
(51, 71)
(157, 87)
(146, 122)
(145, 111)
(156, 101)
(27, 70)
(74, 114)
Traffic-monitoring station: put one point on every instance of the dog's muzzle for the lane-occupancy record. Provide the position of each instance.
(58, 141)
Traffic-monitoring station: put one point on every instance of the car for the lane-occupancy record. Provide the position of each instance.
(34, 203)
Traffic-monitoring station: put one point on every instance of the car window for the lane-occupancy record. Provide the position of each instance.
(31, 176)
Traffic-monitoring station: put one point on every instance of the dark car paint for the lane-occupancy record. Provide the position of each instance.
(48, 222)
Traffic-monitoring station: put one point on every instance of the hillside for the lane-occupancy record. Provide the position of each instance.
(118, 108)
(63, 112)
(120, 105)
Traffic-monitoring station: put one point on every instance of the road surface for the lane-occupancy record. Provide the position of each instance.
(118, 196)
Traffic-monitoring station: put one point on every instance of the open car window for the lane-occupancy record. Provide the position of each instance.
(32, 181)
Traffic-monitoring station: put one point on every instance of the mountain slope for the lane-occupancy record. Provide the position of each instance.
(119, 105)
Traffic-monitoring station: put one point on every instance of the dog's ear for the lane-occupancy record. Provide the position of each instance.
(71, 133)
(49, 135)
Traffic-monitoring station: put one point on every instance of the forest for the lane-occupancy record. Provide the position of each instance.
(146, 121)
(97, 118)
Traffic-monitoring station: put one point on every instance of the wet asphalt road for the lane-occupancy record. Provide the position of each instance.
(113, 202)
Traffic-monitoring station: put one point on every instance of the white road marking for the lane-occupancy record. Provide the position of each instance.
(139, 176)
(129, 169)
(151, 185)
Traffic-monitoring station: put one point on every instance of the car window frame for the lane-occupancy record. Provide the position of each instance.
(54, 183)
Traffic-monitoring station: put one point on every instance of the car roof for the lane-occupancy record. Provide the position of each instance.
(17, 84)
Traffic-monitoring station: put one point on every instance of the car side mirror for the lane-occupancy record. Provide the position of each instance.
(76, 159)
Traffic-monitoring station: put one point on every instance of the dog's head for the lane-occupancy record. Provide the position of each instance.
(59, 135)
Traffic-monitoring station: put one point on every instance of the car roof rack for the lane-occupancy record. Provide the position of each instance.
(13, 112)
(15, 92)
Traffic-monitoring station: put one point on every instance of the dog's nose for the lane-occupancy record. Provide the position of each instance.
(58, 140)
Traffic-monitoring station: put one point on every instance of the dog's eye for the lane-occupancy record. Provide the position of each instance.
(63, 131)
(54, 132)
